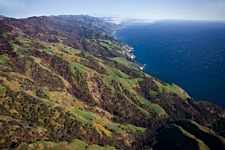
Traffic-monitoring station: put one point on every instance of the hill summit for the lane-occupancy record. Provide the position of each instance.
(66, 83)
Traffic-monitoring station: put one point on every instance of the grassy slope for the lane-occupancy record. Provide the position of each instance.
(60, 98)
(54, 76)
(75, 144)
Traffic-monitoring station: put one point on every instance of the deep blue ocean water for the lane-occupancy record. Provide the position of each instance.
(190, 54)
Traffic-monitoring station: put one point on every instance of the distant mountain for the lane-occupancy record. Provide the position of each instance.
(1, 16)
(66, 83)
(89, 22)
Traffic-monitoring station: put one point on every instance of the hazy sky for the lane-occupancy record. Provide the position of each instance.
(138, 9)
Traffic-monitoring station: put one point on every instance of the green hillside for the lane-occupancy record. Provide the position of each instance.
(80, 90)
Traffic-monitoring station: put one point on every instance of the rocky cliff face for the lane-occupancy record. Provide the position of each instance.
(65, 82)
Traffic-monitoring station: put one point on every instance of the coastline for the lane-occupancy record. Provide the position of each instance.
(127, 49)
(203, 81)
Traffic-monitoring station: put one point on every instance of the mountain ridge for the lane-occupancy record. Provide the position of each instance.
(65, 78)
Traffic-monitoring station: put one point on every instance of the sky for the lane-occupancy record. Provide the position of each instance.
(135, 9)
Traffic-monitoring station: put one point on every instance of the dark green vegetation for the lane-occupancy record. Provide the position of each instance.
(66, 83)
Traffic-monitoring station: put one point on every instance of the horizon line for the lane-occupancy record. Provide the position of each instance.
(124, 18)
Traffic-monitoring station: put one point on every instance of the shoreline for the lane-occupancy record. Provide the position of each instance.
(183, 80)
(127, 49)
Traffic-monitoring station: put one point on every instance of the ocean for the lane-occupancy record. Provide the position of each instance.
(190, 54)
